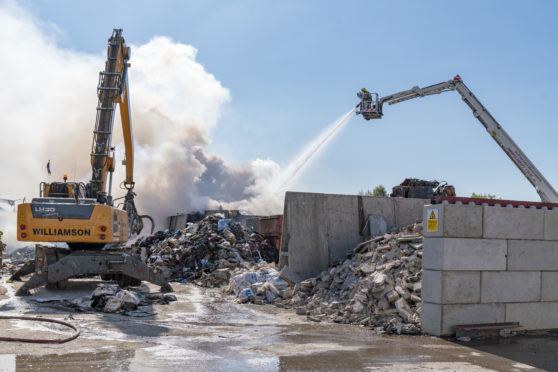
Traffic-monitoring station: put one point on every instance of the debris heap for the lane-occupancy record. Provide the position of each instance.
(259, 285)
(19, 256)
(378, 285)
(110, 298)
(205, 252)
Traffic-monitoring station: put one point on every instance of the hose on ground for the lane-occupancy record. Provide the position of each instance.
(40, 341)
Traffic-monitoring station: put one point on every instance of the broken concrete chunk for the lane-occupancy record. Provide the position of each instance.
(306, 286)
(409, 238)
(367, 268)
(105, 290)
(222, 274)
(113, 305)
(383, 248)
(301, 311)
(415, 298)
(357, 307)
(392, 296)
(129, 299)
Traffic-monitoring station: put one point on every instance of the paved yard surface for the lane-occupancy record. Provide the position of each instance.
(204, 331)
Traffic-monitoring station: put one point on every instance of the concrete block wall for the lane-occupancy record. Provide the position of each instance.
(319, 229)
(485, 264)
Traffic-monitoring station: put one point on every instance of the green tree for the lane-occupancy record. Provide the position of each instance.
(483, 196)
(379, 190)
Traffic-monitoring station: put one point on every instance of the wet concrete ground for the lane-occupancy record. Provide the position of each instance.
(205, 332)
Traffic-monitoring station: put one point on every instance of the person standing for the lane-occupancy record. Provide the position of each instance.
(366, 99)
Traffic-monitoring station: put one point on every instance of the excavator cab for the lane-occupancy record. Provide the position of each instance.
(62, 190)
(369, 106)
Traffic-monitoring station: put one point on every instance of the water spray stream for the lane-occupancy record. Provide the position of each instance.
(311, 150)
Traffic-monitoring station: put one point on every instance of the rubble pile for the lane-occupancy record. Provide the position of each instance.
(378, 285)
(110, 298)
(12, 260)
(205, 252)
(259, 285)
(19, 256)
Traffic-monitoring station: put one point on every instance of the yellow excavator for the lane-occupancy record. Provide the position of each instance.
(83, 215)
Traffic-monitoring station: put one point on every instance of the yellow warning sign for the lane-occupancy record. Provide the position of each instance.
(432, 222)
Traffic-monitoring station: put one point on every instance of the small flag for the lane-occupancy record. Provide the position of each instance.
(48, 168)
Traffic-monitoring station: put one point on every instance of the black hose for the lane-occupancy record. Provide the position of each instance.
(40, 341)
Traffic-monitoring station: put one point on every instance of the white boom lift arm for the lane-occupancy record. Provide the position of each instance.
(371, 108)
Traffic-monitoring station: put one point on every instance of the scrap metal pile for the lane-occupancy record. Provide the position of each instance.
(206, 252)
(378, 285)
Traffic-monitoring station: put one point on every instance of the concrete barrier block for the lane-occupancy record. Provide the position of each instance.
(384, 207)
(510, 286)
(306, 229)
(432, 286)
(532, 255)
(431, 318)
(341, 225)
(551, 225)
(533, 315)
(464, 254)
(513, 223)
(462, 221)
(451, 287)
(408, 210)
(460, 287)
(435, 229)
(474, 254)
(549, 286)
(432, 256)
(453, 315)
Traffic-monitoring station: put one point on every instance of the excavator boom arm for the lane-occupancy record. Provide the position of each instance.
(112, 89)
(126, 120)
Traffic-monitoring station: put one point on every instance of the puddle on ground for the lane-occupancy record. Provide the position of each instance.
(536, 351)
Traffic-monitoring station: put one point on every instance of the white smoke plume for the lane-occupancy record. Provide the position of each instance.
(48, 112)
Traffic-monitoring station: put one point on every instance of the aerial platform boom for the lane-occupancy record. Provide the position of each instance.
(372, 108)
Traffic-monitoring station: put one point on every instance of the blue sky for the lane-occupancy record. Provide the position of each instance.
(293, 67)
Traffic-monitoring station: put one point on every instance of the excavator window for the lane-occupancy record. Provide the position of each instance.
(59, 189)
(114, 223)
